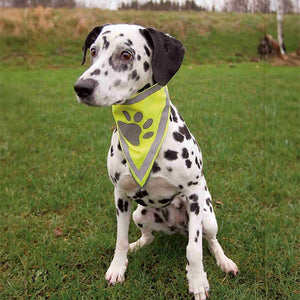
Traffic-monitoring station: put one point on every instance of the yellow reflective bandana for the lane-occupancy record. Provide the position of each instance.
(142, 123)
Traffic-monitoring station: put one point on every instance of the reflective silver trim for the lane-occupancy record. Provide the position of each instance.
(153, 89)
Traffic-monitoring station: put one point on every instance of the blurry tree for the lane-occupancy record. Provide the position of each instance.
(279, 26)
(262, 6)
(19, 3)
(35, 3)
(288, 6)
(162, 5)
(237, 5)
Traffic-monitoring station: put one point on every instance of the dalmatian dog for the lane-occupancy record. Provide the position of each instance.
(127, 59)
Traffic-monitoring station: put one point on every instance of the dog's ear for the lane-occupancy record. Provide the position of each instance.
(90, 39)
(167, 54)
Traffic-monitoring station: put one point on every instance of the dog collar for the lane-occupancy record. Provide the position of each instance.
(142, 123)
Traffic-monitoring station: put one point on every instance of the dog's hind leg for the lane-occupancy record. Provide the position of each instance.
(140, 218)
(210, 229)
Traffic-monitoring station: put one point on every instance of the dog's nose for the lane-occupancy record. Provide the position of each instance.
(85, 87)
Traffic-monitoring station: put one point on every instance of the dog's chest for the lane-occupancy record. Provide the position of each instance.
(177, 165)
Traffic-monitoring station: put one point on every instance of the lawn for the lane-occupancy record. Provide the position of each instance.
(57, 216)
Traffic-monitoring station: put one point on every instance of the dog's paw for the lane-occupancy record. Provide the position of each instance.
(228, 266)
(141, 242)
(116, 272)
(198, 284)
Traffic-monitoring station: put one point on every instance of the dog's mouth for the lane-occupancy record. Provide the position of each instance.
(87, 101)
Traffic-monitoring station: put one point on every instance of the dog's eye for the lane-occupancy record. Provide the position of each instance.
(93, 52)
(126, 56)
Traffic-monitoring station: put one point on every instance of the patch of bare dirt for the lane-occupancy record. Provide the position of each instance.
(291, 59)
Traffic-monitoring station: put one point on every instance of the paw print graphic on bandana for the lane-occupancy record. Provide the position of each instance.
(132, 131)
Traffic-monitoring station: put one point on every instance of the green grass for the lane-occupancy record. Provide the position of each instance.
(52, 38)
(53, 174)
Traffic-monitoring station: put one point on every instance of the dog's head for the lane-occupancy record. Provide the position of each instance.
(124, 60)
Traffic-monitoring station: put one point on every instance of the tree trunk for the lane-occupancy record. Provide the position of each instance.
(279, 26)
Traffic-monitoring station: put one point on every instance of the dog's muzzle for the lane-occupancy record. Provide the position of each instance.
(84, 88)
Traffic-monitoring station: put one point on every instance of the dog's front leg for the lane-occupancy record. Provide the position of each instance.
(198, 284)
(118, 266)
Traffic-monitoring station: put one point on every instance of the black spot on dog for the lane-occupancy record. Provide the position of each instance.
(138, 57)
(158, 219)
(121, 34)
(169, 169)
(181, 118)
(164, 201)
(192, 183)
(210, 208)
(194, 207)
(165, 213)
(106, 32)
(119, 146)
(121, 205)
(124, 161)
(141, 202)
(178, 136)
(146, 66)
(151, 201)
(155, 167)
(126, 205)
(96, 72)
(117, 212)
(137, 78)
(174, 115)
(205, 188)
(197, 163)
(130, 42)
(117, 82)
(171, 155)
(140, 194)
(147, 50)
(184, 130)
(208, 201)
(197, 233)
(185, 153)
(133, 74)
(188, 163)
(111, 151)
(180, 186)
(194, 197)
(144, 211)
(144, 87)
(117, 176)
(140, 225)
(106, 43)
(196, 240)
(106, 73)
